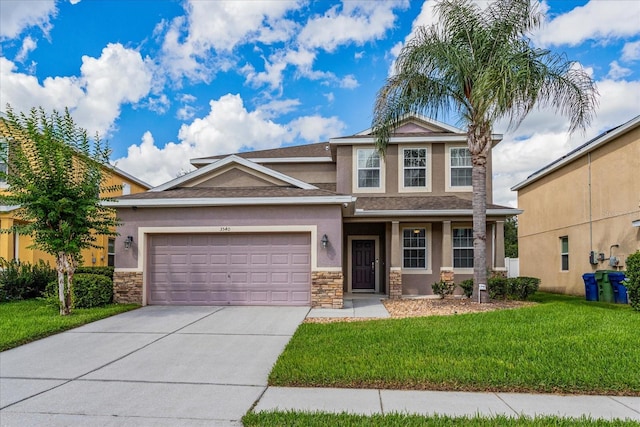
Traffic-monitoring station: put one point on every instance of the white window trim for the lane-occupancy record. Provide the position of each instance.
(355, 188)
(458, 270)
(447, 184)
(428, 177)
(429, 264)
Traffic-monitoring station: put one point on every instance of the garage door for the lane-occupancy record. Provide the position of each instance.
(229, 269)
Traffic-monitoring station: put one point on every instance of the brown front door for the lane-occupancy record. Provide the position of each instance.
(363, 255)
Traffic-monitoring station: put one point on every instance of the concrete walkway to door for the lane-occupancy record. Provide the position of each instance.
(187, 366)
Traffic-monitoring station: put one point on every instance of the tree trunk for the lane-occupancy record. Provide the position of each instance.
(62, 290)
(479, 145)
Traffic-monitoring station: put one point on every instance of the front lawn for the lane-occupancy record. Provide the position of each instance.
(28, 320)
(562, 345)
(305, 419)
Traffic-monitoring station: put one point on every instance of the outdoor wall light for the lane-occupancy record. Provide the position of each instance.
(325, 241)
(128, 241)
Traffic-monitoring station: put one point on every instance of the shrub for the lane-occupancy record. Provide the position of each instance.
(467, 287)
(443, 288)
(104, 271)
(89, 290)
(633, 280)
(521, 288)
(23, 280)
(498, 287)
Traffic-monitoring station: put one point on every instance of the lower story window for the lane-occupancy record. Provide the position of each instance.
(564, 253)
(463, 248)
(111, 253)
(414, 248)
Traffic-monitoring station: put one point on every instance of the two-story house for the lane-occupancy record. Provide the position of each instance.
(303, 225)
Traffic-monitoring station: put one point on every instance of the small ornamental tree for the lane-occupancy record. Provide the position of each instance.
(55, 175)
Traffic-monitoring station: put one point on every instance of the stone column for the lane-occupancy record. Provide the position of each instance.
(127, 287)
(326, 289)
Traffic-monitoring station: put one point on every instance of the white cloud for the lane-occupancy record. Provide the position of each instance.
(118, 76)
(28, 45)
(317, 128)
(278, 107)
(631, 51)
(356, 22)
(601, 20)
(220, 26)
(159, 104)
(617, 72)
(349, 82)
(186, 112)
(16, 16)
(228, 128)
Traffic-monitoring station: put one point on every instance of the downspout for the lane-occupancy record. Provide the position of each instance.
(590, 213)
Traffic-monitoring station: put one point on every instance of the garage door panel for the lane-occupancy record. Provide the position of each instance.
(239, 269)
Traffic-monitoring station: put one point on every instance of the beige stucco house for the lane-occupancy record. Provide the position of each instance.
(582, 212)
(302, 225)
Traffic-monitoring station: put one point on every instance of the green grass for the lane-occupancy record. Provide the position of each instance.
(305, 419)
(563, 344)
(25, 321)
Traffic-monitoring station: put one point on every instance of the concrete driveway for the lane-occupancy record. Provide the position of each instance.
(152, 366)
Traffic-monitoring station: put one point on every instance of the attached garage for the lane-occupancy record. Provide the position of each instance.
(229, 269)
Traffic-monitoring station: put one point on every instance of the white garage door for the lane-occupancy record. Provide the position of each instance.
(229, 269)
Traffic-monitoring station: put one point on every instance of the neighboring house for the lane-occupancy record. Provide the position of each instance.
(582, 212)
(17, 247)
(302, 225)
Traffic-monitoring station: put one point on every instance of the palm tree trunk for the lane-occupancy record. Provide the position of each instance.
(479, 145)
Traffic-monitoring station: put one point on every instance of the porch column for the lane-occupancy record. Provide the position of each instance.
(499, 249)
(446, 270)
(395, 271)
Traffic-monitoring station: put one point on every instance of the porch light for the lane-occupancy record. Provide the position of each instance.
(325, 241)
(416, 231)
(128, 241)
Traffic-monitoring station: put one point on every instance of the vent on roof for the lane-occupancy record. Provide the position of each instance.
(326, 148)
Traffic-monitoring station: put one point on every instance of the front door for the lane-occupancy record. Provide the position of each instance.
(363, 275)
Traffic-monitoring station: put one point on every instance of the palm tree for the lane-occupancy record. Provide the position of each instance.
(481, 65)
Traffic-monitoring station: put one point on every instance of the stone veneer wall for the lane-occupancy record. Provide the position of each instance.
(326, 289)
(127, 287)
(447, 276)
(395, 284)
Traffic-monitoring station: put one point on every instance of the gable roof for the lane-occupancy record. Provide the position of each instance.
(585, 148)
(318, 152)
(432, 125)
(233, 159)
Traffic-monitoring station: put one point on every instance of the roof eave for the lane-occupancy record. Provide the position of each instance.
(434, 212)
(229, 201)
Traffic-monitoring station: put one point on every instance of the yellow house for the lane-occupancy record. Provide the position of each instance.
(582, 212)
(16, 247)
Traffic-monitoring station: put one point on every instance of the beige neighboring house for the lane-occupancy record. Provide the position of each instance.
(582, 212)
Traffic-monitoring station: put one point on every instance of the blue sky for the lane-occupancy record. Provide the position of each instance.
(166, 81)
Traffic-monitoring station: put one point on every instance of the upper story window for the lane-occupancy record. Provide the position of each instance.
(111, 252)
(463, 247)
(460, 167)
(414, 168)
(368, 168)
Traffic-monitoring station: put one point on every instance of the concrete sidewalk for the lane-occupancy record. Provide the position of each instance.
(369, 402)
(355, 305)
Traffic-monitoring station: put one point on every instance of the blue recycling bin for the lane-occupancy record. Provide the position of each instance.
(590, 286)
(619, 289)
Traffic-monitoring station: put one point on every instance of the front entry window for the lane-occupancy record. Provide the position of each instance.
(463, 248)
(414, 248)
